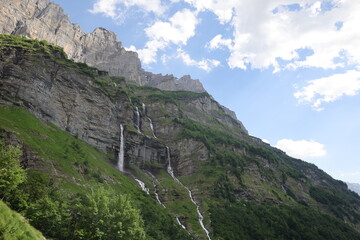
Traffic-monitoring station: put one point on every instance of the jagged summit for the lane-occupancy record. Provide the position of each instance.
(44, 20)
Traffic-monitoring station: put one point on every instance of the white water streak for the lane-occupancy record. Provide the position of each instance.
(121, 150)
(143, 187)
(149, 119)
(178, 221)
(137, 119)
(201, 217)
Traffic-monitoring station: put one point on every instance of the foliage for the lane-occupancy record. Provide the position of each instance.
(11, 173)
(224, 189)
(102, 214)
(246, 221)
(53, 210)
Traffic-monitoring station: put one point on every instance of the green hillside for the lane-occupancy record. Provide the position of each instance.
(13, 226)
(69, 189)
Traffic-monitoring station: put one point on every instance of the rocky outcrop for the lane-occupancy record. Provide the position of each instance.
(73, 101)
(44, 20)
(169, 82)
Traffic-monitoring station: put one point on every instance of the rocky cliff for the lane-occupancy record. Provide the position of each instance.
(44, 20)
(196, 155)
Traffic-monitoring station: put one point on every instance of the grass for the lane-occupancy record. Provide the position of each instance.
(78, 167)
(63, 155)
(14, 227)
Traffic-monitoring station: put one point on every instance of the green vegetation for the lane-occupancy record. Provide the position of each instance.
(50, 51)
(52, 203)
(155, 95)
(76, 193)
(11, 173)
(247, 221)
(100, 214)
(14, 227)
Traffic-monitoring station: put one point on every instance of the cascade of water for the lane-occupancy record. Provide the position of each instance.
(178, 221)
(149, 119)
(152, 127)
(171, 172)
(155, 188)
(157, 196)
(137, 119)
(143, 187)
(144, 108)
(121, 150)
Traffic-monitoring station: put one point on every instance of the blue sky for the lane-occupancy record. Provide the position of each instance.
(289, 69)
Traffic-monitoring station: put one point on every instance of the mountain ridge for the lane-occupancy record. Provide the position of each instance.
(44, 20)
(189, 154)
(209, 151)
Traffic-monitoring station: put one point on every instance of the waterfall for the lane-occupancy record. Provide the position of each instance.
(144, 108)
(149, 119)
(178, 221)
(121, 150)
(137, 119)
(155, 188)
(143, 187)
(157, 196)
(171, 172)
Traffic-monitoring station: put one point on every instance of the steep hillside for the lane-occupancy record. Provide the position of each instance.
(13, 226)
(194, 161)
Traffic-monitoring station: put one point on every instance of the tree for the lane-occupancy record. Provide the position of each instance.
(103, 214)
(11, 173)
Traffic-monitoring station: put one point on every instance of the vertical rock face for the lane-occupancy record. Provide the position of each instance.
(44, 20)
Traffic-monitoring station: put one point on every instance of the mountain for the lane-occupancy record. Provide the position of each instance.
(177, 162)
(354, 187)
(44, 20)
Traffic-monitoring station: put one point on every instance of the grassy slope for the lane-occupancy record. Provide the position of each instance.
(76, 167)
(14, 227)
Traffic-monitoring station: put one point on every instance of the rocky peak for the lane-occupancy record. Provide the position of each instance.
(44, 20)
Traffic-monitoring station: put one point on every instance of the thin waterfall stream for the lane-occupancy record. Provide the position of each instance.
(121, 150)
(178, 221)
(154, 180)
(149, 119)
(201, 217)
(137, 119)
(143, 187)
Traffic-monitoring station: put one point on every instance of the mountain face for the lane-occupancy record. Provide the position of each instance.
(44, 20)
(189, 154)
(188, 163)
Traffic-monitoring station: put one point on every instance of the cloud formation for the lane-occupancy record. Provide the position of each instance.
(329, 89)
(177, 30)
(301, 149)
(114, 8)
(205, 64)
(264, 34)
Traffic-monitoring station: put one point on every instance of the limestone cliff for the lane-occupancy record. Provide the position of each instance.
(209, 151)
(44, 20)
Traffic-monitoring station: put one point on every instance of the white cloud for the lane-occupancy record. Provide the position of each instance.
(178, 30)
(265, 141)
(218, 42)
(329, 89)
(224, 10)
(205, 64)
(301, 149)
(113, 8)
(267, 32)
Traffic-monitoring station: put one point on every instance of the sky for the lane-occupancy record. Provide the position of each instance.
(289, 69)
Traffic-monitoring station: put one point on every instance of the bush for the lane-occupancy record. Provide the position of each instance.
(11, 173)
